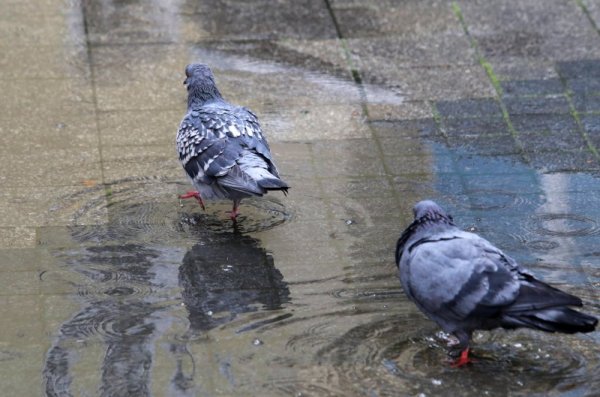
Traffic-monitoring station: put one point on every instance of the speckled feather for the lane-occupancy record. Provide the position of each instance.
(221, 146)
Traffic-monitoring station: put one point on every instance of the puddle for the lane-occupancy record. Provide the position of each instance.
(175, 301)
(143, 295)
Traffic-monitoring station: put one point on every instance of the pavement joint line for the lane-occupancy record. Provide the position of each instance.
(338, 30)
(389, 175)
(489, 70)
(587, 13)
(437, 119)
(89, 58)
(575, 114)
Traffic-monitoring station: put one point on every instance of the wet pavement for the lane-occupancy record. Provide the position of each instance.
(110, 286)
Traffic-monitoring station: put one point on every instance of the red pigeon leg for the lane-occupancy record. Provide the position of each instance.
(234, 212)
(196, 195)
(462, 360)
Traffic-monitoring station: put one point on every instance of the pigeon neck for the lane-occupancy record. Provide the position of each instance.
(199, 95)
(431, 220)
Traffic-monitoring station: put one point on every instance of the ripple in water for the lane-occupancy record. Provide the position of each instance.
(257, 214)
(565, 225)
(312, 336)
(482, 199)
(353, 294)
(111, 321)
(542, 245)
(147, 209)
(492, 200)
(400, 357)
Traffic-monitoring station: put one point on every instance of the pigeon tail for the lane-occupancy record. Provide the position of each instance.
(560, 319)
(273, 184)
(543, 307)
(536, 295)
(256, 167)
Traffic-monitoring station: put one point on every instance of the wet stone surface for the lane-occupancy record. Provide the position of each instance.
(112, 286)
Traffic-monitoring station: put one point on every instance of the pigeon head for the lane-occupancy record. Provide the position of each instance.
(427, 215)
(200, 83)
(428, 210)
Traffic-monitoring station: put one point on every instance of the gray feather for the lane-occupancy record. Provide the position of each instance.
(221, 146)
(464, 283)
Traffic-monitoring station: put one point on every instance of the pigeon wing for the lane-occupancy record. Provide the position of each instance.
(198, 148)
(253, 137)
(212, 140)
(459, 275)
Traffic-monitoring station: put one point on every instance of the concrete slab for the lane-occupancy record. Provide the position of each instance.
(16, 238)
(532, 87)
(479, 107)
(458, 127)
(56, 205)
(551, 105)
(139, 95)
(45, 167)
(55, 61)
(131, 22)
(139, 127)
(258, 20)
(46, 99)
(29, 135)
(516, 36)
(593, 9)
(413, 51)
(382, 18)
(122, 63)
(402, 111)
(523, 68)
(429, 83)
(42, 30)
(148, 161)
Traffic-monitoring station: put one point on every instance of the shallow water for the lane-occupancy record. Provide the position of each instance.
(173, 301)
(116, 288)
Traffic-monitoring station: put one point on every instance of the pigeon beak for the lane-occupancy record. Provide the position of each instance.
(185, 81)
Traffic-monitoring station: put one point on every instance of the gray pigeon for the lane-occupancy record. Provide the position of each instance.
(221, 146)
(463, 283)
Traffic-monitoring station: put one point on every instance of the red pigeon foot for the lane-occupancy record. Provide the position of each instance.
(194, 194)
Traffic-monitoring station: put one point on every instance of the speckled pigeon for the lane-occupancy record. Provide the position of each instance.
(221, 146)
(463, 283)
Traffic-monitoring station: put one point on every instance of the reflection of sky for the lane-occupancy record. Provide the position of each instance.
(548, 222)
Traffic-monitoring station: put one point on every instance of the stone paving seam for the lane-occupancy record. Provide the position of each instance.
(363, 101)
(585, 10)
(354, 72)
(493, 79)
(575, 114)
(88, 49)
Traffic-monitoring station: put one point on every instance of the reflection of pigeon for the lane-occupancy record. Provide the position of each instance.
(228, 276)
(464, 283)
(221, 146)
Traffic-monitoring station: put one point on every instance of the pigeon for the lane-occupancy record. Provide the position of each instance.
(222, 147)
(464, 283)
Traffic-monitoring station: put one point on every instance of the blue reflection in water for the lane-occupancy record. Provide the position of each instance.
(547, 221)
